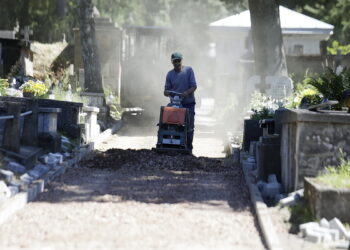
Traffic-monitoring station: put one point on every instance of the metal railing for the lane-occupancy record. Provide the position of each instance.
(7, 117)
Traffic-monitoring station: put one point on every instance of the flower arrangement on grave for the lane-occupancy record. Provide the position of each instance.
(4, 84)
(262, 106)
(35, 88)
(306, 94)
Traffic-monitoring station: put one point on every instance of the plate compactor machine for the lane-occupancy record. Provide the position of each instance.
(173, 126)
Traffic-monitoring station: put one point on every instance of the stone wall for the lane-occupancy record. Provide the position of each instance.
(310, 142)
(299, 64)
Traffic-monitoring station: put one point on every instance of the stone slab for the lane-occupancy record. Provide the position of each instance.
(26, 156)
(327, 202)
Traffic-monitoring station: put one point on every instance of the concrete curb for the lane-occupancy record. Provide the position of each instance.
(262, 213)
(17, 202)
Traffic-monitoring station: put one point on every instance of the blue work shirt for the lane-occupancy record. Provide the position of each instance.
(180, 82)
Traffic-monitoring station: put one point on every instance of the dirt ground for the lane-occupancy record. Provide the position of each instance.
(133, 207)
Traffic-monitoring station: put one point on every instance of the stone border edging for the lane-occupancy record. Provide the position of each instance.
(18, 201)
(261, 210)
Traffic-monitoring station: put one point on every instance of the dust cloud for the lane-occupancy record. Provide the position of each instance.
(213, 54)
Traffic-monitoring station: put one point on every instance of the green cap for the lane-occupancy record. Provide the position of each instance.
(176, 55)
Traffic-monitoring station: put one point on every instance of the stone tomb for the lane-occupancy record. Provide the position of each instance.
(310, 142)
(20, 136)
(13, 50)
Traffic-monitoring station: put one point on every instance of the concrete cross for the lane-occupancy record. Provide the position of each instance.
(26, 32)
(263, 86)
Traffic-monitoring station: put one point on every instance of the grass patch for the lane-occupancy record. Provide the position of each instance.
(337, 176)
(299, 214)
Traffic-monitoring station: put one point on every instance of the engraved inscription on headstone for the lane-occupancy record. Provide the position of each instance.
(281, 87)
(277, 87)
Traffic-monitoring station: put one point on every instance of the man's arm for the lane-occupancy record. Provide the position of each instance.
(189, 91)
(193, 84)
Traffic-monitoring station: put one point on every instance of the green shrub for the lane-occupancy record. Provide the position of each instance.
(331, 84)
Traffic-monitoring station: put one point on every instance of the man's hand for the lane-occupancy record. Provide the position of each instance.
(166, 93)
(184, 94)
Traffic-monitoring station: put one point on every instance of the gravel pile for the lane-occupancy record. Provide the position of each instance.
(148, 159)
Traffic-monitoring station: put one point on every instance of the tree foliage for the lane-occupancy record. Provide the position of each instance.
(50, 19)
(334, 12)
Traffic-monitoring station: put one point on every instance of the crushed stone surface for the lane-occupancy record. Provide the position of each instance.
(139, 199)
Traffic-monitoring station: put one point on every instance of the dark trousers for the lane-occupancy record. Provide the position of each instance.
(190, 131)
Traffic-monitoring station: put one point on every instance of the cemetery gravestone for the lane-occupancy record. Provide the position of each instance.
(26, 32)
(277, 87)
(310, 142)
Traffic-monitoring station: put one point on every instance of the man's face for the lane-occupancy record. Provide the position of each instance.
(177, 63)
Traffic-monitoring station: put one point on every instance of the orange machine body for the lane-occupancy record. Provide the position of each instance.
(173, 115)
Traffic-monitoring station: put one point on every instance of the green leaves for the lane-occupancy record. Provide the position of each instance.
(345, 49)
(331, 85)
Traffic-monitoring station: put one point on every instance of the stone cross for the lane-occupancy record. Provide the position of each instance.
(263, 86)
(26, 32)
(1, 62)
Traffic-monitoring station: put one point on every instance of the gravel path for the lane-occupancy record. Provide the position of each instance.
(133, 207)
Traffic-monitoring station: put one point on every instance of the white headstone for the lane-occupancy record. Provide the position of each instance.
(277, 87)
(281, 87)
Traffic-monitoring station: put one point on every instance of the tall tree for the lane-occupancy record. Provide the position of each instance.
(267, 38)
(92, 68)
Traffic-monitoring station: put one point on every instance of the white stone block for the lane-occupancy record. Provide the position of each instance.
(272, 178)
(16, 168)
(335, 223)
(66, 155)
(57, 156)
(44, 159)
(38, 171)
(334, 233)
(6, 174)
(309, 226)
(26, 178)
(270, 190)
(14, 190)
(324, 223)
(313, 236)
(260, 185)
(4, 190)
(328, 235)
(249, 163)
(64, 148)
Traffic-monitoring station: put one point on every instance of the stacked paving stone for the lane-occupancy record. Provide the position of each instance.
(14, 177)
(328, 232)
(272, 190)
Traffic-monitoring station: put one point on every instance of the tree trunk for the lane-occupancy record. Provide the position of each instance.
(92, 68)
(270, 59)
